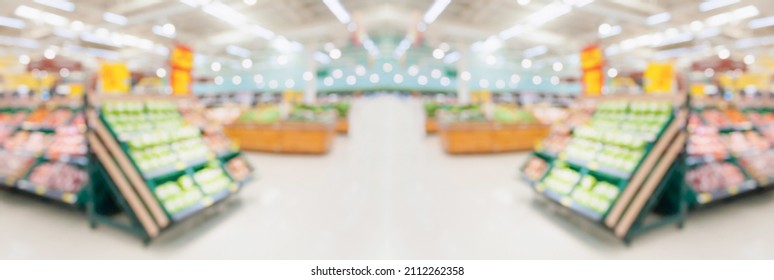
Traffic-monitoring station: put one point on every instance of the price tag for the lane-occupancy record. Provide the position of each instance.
(68, 197)
(207, 202)
(733, 190)
(593, 166)
(180, 166)
(566, 201)
(705, 197)
(40, 190)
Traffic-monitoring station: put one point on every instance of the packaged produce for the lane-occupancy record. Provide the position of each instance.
(238, 168)
(714, 176)
(706, 141)
(59, 176)
(535, 168)
(759, 166)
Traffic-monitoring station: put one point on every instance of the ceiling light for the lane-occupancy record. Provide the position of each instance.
(554, 80)
(724, 54)
(258, 78)
(515, 78)
(338, 10)
(761, 22)
(557, 66)
(169, 28)
(351, 80)
(436, 74)
(335, 53)
(282, 59)
(238, 51)
(612, 72)
(659, 18)
(321, 57)
(696, 25)
(387, 67)
(215, 66)
(715, 4)
(511, 32)
(247, 63)
(58, 4)
(64, 72)
(500, 84)
(435, 10)
(76, 25)
(614, 30)
(218, 80)
(452, 57)
(337, 74)
(398, 78)
(749, 59)
(329, 47)
(483, 83)
(308, 76)
(351, 27)
(548, 13)
(444, 47)
(38, 15)
(604, 28)
(465, 75)
(709, 72)
(360, 70)
(49, 54)
(445, 81)
(273, 84)
(422, 80)
(523, 2)
(526, 63)
(537, 80)
(733, 16)
(236, 80)
(413, 70)
(159, 30)
(438, 54)
(250, 2)
(289, 83)
(24, 59)
(12, 22)
(225, 13)
(260, 31)
(161, 72)
(115, 18)
(536, 51)
(374, 78)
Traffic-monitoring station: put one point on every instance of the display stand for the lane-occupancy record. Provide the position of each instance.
(284, 137)
(130, 190)
(655, 185)
(489, 137)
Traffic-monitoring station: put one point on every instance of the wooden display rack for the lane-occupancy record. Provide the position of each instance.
(283, 137)
(656, 182)
(342, 125)
(431, 125)
(489, 137)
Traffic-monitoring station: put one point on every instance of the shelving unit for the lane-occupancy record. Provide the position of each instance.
(651, 184)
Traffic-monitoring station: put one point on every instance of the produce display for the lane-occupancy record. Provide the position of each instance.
(312, 113)
(555, 142)
(595, 195)
(535, 168)
(714, 117)
(736, 118)
(212, 180)
(550, 115)
(238, 168)
(223, 115)
(742, 142)
(179, 194)
(759, 166)
(461, 113)
(761, 118)
(511, 115)
(714, 176)
(37, 117)
(705, 141)
(768, 132)
(561, 180)
(14, 164)
(12, 118)
(131, 117)
(59, 176)
(28, 142)
(69, 141)
(218, 142)
(264, 115)
(5, 132)
(57, 118)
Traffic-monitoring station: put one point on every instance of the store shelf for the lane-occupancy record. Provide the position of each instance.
(709, 197)
(204, 203)
(569, 203)
(65, 197)
(8, 181)
(596, 168)
(697, 160)
(76, 160)
(178, 167)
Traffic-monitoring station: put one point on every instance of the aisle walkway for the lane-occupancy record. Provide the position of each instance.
(386, 191)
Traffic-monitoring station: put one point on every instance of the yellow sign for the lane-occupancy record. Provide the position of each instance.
(592, 63)
(697, 89)
(114, 78)
(592, 81)
(659, 78)
(181, 62)
(180, 81)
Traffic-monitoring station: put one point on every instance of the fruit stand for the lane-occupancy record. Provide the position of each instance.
(509, 131)
(621, 164)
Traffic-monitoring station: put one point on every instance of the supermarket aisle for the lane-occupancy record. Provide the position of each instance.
(384, 192)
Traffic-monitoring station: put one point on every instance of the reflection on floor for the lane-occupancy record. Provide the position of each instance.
(385, 192)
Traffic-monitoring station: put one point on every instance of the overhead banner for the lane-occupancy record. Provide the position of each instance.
(592, 63)
(114, 78)
(659, 78)
(181, 64)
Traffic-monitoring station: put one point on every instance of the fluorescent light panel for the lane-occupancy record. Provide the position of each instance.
(338, 10)
(614, 30)
(548, 13)
(435, 10)
(58, 4)
(115, 18)
(12, 22)
(715, 4)
(159, 30)
(237, 51)
(761, 22)
(536, 51)
(35, 14)
(659, 18)
(225, 13)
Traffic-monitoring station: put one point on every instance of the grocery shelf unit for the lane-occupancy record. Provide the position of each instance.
(135, 192)
(284, 137)
(654, 184)
(752, 183)
(489, 137)
(41, 120)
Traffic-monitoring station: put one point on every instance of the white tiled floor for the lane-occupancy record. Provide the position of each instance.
(386, 192)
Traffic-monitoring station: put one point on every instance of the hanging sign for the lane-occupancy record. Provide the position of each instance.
(659, 78)
(592, 63)
(181, 64)
(114, 78)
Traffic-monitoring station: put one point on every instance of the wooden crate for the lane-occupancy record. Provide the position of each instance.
(283, 137)
(489, 137)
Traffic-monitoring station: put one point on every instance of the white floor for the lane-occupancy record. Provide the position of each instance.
(386, 192)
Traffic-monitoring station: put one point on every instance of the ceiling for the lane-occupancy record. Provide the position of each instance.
(311, 24)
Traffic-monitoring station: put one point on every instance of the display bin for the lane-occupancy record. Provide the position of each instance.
(342, 125)
(489, 137)
(431, 125)
(283, 137)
